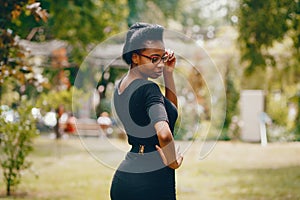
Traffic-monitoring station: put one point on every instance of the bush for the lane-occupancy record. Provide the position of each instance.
(277, 109)
(16, 141)
(278, 133)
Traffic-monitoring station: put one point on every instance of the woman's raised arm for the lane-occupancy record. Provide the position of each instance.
(170, 90)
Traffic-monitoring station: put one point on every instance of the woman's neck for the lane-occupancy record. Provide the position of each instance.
(133, 74)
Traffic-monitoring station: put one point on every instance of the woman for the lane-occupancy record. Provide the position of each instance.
(148, 117)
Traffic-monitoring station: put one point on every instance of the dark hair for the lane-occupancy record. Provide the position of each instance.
(136, 37)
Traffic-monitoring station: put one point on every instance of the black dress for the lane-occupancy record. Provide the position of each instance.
(142, 174)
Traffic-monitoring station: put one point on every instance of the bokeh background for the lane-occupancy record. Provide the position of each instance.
(55, 137)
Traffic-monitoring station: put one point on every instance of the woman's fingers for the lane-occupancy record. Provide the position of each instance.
(178, 154)
(170, 55)
(179, 160)
(179, 157)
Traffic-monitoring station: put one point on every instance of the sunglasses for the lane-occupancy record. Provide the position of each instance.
(155, 59)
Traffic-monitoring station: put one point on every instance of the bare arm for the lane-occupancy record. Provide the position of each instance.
(167, 146)
(170, 90)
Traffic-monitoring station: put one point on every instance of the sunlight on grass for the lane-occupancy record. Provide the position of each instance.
(65, 170)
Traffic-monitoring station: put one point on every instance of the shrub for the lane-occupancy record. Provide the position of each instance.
(16, 141)
(277, 109)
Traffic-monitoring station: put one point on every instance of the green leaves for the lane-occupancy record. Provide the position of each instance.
(270, 43)
(261, 23)
(15, 21)
(16, 141)
(84, 23)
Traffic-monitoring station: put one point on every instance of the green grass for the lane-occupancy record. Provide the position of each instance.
(233, 171)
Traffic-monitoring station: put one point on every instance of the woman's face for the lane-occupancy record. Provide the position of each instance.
(149, 62)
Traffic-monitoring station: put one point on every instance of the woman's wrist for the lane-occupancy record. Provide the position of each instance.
(174, 165)
(168, 73)
(168, 70)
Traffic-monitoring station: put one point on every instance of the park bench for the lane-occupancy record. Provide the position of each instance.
(85, 128)
(88, 129)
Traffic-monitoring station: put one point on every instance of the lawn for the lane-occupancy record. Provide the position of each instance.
(233, 170)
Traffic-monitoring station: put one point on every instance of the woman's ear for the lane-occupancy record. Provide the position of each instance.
(134, 58)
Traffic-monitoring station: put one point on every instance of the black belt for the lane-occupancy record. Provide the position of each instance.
(141, 149)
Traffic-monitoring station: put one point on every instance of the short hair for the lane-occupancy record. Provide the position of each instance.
(136, 37)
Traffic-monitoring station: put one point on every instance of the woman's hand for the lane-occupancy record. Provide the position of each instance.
(174, 165)
(171, 61)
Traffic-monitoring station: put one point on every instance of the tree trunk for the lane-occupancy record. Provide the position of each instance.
(8, 187)
(9, 181)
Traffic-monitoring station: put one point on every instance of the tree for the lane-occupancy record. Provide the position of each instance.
(92, 22)
(263, 24)
(13, 56)
(154, 11)
(232, 98)
(16, 135)
(89, 22)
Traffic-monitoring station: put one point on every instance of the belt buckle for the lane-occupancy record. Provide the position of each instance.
(141, 149)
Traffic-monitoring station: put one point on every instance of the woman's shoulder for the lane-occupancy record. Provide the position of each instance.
(150, 85)
(145, 81)
(143, 84)
(141, 87)
(133, 86)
